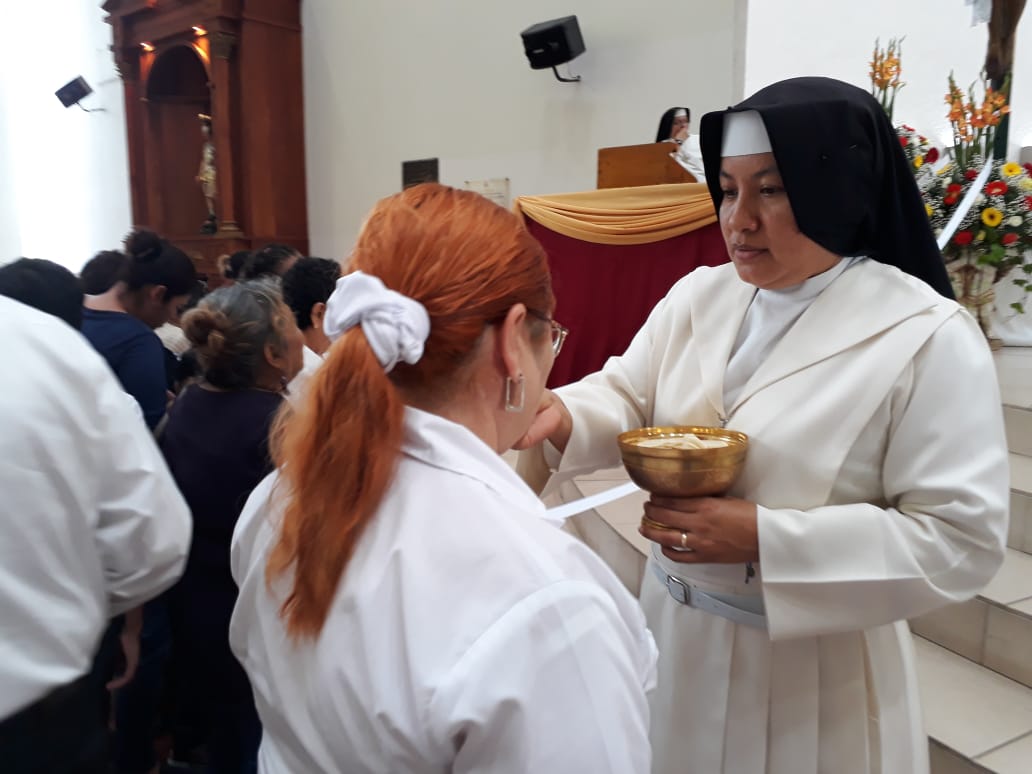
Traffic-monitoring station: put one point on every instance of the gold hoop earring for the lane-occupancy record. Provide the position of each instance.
(514, 386)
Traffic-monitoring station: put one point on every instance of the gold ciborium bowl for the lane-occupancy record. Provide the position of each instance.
(672, 472)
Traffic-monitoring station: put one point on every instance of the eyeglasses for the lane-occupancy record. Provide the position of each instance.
(559, 332)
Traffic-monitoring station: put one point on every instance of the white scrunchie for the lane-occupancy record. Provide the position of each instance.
(395, 325)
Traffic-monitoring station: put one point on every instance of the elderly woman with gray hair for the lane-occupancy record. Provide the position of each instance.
(216, 444)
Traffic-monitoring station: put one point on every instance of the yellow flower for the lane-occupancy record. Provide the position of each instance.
(928, 209)
(1010, 169)
(919, 162)
(992, 217)
(980, 236)
(1025, 184)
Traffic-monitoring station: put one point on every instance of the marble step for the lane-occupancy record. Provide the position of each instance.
(977, 720)
(994, 629)
(1014, 371)
(1019, 535)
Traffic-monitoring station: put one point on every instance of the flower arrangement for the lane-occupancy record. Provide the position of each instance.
(973, 125)
(919, 151)
(993, 238)
(885, 69)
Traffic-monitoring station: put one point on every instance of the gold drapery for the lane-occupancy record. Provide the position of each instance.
(623, 216)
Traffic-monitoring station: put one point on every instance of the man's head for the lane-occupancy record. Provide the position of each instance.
(306, 287)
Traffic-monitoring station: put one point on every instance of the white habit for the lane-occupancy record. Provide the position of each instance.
(878, 460)
(92, 522)
(467, 635)
(689, 156)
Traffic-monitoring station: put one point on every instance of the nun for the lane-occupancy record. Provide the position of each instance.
(876, 485)
(675, 127)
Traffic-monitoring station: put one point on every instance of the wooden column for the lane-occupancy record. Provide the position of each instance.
(223, 48)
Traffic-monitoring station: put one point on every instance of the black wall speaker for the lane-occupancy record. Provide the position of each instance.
(553, 42)
(73, 91)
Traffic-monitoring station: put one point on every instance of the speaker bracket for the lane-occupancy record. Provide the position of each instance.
(558, 77)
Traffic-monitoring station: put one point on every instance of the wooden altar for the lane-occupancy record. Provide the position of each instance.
(239, 62)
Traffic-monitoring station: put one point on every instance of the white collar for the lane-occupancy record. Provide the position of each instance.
(444, 444)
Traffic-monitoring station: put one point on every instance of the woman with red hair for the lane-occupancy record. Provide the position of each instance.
(404, 606)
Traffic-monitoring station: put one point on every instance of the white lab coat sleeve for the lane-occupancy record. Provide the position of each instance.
(143, 527)
(945, 476)
(557, 684)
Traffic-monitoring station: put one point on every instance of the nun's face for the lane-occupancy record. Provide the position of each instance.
(759, 228)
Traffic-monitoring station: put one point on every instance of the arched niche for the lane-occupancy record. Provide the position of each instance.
(176, 91)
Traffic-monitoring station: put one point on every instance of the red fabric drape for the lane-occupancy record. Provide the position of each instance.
(604, 293)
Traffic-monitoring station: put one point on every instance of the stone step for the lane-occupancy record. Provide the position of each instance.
(1019, 535)
(1014, 371)
(977, 720)
(995, 628)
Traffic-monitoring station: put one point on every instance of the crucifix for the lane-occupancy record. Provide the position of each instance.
(999, 59)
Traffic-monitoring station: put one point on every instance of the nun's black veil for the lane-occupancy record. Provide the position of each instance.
(850, 185)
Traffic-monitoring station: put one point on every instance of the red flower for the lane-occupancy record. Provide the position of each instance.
(1028, 168)
(932, 156)
(908, 128)
(996, 188)
(904, 141)
(970, 174)
(963, 238)
(950, 200)
(1009, 239)
(1028, 202)
(954, 189)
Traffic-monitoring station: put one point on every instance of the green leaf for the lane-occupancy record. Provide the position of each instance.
(1017, 307)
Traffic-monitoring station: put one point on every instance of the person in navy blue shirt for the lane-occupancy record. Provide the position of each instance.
(154, 280)
(216, 443)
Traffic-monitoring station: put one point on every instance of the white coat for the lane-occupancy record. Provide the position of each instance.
(91, 522)
(879, 465)
(467, 634)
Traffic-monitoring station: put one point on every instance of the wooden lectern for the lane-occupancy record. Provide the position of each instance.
(631, 165)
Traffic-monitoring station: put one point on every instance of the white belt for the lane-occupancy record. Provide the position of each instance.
(747, 610)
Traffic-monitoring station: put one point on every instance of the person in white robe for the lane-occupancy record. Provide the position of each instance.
(93, 526)
(876, 483)
(404, 605)
(307, 286)
(675, 127)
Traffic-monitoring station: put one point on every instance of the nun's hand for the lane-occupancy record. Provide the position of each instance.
(552, 422)
(703, 530)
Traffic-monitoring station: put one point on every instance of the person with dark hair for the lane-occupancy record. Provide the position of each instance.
(102, 271)
(306, 288)
(675, 127)
(216, 443)
(405, 606)
(157, 279)
(232, 266)
(91, 525)
(875, 488)
(171, 333)
(45, 285)
(273, 260)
